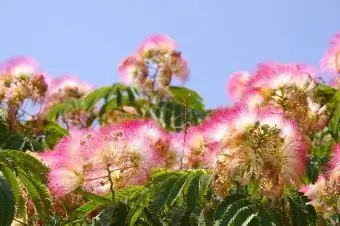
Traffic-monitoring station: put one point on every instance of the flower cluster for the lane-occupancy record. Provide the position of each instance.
(261, 143)
(335, 82)
(324, 194)
(331, 60)
(257, 148)
(21, 79)
(62, 89)
(282, 88)
(116, 156)
(154, 64)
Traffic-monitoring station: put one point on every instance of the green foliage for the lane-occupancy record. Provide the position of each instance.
(27, 178)
(187, 96)
(53, 133)
(6, 203)
(14, 140)
(184, 197)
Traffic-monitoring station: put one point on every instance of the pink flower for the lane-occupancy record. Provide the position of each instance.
(237, 84)
(261, 146)
(161, 43)
(323, 196)
(64, 180)
(179, 67)
(20, 65)
(330, 62)
(67, 161)
(198, 151)
(335, 82)
(335, 160)
(68, 82)
(132, 70)
(274, 75)
(176, 146)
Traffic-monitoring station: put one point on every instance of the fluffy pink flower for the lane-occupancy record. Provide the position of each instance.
(274, 75)
(64, 180)
(150, 140)
(295, 147)
(132, 70)
(198, 151)
(330, 62)
(20, 65)
(276, 162)
(125, 154)
(176, 146)
(335, 82)
(67, 161)
(237, 83)
(161, 43)
(323, 195)
(180, 67)
(335, 160)
(253, 98)
(68, 82)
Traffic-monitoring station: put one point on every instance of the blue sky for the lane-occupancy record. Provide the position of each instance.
(89, 38)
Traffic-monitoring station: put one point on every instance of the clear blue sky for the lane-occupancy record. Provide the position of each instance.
(90, 37)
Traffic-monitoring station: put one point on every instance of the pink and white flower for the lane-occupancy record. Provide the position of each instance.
(330, 62)
(237, 84)
(162, 43)
(20, 66)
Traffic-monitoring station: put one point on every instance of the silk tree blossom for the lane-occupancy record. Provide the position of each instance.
(260, 148)
(20, 66)
(330, 62)
(195, 149)
(237, 84)
(21, 79)
(334, 168)
(132, 70)
(161, 43)
(154, 65)
(335, 82)
(66, 161)
(68, 85)
(286, 88)
(61, 90)
(325, 192)
(116, 156)
(129, 152)
(323, 196)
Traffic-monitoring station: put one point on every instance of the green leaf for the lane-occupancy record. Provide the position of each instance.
(244, 215)
(53, 132)
(301, 213)
(119, 97)
(94, 197)
(152, 216)
(177, 189)
(6, 203)
(193, 191)
(232, 211)
(17, 192)
(26, 162)
(334, 123)
(38, 192)
(187, 97)
(54, 113)
(138, 207)
(92, 98)
(84, 210)
(227, 202)
(166, 188)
